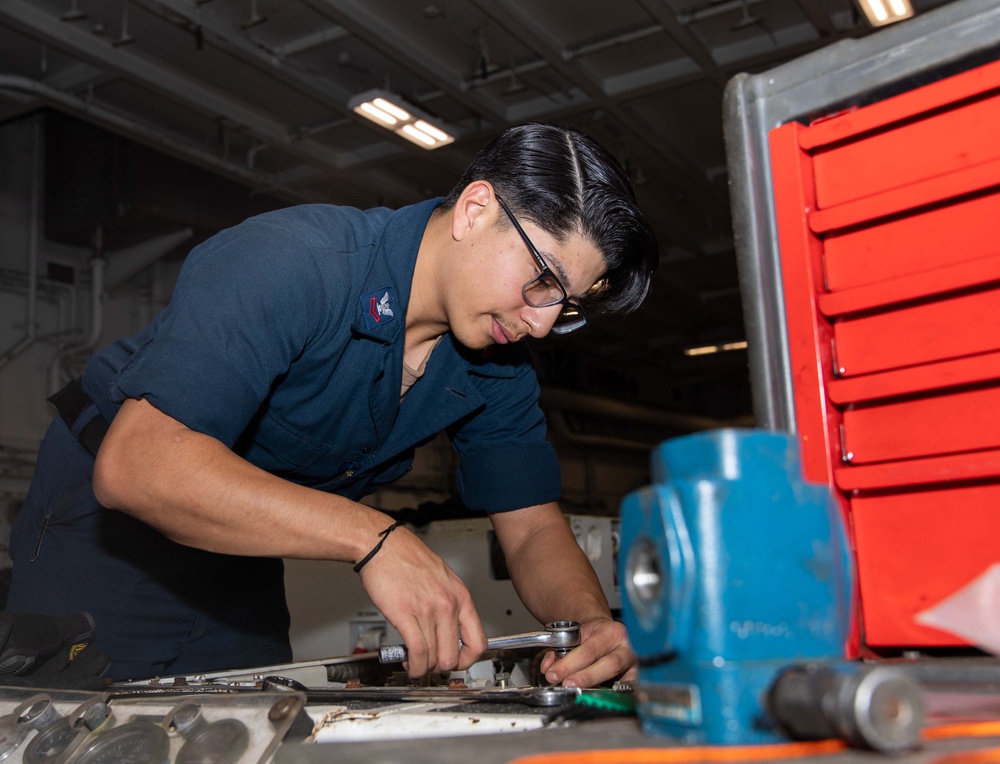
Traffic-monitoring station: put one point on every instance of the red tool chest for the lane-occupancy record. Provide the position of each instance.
(888, 228)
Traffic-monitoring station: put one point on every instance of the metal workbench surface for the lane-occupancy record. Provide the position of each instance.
(621, 735)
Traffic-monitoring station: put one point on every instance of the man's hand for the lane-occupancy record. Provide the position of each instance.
(603, 655)
(427, 603)
(555, 581)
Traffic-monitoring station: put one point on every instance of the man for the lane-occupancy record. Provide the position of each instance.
(304, 354)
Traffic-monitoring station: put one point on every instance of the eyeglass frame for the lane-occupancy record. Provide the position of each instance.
(545, 271)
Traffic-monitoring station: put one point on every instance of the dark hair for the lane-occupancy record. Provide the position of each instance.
(565, 182)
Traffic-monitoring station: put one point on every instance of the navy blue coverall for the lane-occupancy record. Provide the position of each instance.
(283, 340)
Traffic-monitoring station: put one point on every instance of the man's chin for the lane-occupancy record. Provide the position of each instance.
(473, 343)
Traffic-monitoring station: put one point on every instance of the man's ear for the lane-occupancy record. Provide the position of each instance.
(473, 203)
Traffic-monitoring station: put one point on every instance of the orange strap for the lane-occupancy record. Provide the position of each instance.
(962, 729)
(687, 755)
(985, 756)
(966, 729)
(722, 754)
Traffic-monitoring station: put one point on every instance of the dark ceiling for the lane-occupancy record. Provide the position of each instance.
(255, 92)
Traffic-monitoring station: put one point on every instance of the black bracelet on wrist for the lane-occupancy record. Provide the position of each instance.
(381, 540)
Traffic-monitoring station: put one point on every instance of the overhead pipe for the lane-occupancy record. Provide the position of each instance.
(314, 154)
(34, 217)
(556, 421)
(611, 42)
(557, 398)
(569, 54)
(113, 121)
(716, 9)
(556, 402)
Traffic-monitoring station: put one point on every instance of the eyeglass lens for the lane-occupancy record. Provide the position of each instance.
(545, 289)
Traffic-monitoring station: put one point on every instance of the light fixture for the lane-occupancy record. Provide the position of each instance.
(709, 349)
(405, 120)
(882, 12)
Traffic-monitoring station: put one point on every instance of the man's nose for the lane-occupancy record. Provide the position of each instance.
(541, 320)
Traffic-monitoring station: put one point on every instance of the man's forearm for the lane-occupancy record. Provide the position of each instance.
(551, 574)
(197, 492)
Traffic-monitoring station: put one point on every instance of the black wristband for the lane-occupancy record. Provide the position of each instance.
(382, 537)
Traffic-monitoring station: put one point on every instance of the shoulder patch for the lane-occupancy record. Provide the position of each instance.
(379, 307)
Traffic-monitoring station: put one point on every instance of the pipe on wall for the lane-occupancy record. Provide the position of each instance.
(97, 266)
(125, 263)
(562, 399)
(557, 423)
(34, 221)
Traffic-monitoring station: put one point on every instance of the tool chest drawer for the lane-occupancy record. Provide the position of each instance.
(924, 241)
(907, 428)
(889, 242)
(932, 330)
(892, 152)
(914, 549)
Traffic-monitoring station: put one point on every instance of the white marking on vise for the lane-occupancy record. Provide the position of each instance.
(746, 629)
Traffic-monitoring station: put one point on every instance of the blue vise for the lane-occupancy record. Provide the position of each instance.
(733, 569)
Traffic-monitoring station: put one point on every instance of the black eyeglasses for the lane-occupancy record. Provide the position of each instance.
(545, 289)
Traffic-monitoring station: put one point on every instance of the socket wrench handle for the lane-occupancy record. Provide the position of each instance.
(561, 636)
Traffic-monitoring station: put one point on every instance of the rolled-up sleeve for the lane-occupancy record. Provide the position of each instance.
(504, 479)
(506, 462)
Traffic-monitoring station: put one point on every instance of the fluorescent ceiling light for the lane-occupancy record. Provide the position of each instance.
(882, 12)
(405, 120)
(709, 349)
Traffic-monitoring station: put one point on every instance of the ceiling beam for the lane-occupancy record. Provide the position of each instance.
(134, 67)
(397, 47)
(524, 28)
(147, 135)
(238, 44)
(818, 17)
(681, 34)
(211, 103)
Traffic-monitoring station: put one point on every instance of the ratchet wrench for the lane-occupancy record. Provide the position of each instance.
(560, 636)
(530, 696)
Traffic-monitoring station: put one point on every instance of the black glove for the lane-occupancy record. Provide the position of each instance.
(56, 652)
